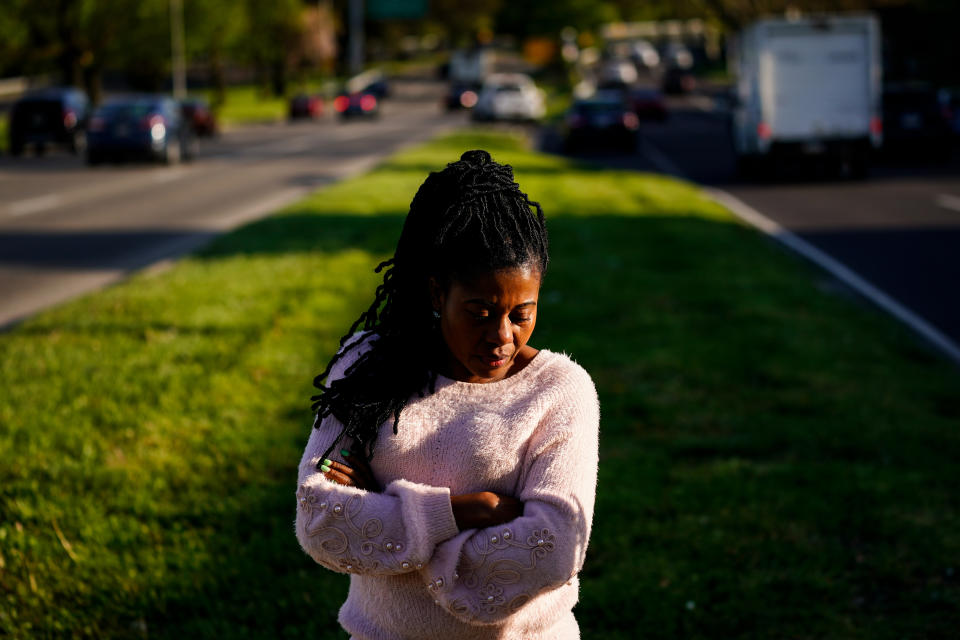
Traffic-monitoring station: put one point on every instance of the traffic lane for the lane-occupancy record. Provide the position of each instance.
(899, 229)
(68, 249)
(31, 185)
(26, 180)
(306, 156)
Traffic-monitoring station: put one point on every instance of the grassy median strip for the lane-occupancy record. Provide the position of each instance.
(778, 459)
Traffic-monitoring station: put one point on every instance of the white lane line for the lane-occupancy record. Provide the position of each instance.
(836, 268)
(34, 205)
(840, 271)
(949, 202)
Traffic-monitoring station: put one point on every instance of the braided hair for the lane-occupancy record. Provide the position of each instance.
(467, 219)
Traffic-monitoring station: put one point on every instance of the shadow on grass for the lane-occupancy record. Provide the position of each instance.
(763, 447)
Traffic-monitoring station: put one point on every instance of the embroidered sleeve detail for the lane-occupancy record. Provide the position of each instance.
(340, 523)
(486, 576)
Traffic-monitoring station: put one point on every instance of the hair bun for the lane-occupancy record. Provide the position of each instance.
(478, 157)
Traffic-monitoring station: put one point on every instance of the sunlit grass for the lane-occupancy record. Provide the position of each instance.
(4, 133)
(776, 460)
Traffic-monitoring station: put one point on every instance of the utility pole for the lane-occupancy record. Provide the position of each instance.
(356, 36)
(179, 67)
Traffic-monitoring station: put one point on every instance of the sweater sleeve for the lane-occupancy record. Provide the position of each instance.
(482, 576)
(350, 530)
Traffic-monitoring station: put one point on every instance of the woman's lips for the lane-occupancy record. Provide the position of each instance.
(494, 362)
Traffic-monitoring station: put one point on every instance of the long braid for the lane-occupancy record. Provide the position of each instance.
(469, 218)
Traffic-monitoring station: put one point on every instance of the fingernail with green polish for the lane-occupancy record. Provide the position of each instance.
(344, 453)
(327, 462)
(324, 468)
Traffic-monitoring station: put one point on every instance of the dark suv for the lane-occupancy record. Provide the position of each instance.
(49, 116)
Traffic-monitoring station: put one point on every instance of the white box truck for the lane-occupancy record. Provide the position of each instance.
(807, 86)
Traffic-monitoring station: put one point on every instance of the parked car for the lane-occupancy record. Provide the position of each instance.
(914, 124)
(461, 96)
(139, 127)
(56, 116)
(509, 96)
(356, 105)
(603, 120)
(648, 104)
(197, 112)
(305, 106)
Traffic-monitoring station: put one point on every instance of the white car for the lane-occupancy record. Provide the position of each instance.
(509, 96)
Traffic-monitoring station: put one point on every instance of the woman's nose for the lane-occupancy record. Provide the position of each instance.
(502, 332)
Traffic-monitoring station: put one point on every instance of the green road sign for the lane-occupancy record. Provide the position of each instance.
(392, 9)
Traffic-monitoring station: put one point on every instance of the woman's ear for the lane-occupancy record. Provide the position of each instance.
(436, 293)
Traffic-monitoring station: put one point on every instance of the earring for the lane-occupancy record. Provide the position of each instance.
(436, 314)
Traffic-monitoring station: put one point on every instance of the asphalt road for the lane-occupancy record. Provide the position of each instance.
(899, 229)
(66, 228)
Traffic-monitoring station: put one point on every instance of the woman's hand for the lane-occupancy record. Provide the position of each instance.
(484, 509)
(356, 474)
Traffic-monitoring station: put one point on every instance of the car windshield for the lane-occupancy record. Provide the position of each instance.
(127, 109)
(593, 108)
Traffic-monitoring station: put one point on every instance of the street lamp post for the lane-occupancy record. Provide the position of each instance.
(179, 67)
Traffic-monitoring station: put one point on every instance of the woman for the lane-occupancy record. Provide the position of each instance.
(453, 467)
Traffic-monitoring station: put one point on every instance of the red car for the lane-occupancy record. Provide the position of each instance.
(648, 104)
(197, 112)
(304, 105)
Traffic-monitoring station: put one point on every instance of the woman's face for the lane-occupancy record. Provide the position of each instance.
(486, 321)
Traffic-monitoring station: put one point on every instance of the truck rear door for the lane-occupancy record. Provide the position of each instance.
(815, 83)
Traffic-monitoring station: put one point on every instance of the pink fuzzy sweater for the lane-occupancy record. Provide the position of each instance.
(414, 575)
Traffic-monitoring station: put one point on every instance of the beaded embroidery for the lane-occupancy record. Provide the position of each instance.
(336, 541)
(488, 580)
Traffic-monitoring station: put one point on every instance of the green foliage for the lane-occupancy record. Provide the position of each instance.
(776, 460)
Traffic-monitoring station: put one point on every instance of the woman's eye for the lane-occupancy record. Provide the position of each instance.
(522, 319)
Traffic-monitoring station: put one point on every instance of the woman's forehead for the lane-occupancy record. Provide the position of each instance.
(513, 283)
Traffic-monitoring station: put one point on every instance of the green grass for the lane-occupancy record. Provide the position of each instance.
(250, 104)
(4, 132)
(777, 460)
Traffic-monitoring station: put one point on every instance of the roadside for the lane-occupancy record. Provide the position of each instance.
(761, 435)
(897, 230)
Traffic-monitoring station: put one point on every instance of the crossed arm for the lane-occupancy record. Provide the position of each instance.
(470, 510)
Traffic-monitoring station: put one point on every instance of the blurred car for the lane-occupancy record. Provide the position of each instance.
(648, 104)
(461, 96)
(603, 120)
(197, 112)
(305, 106)
(617, 72)
(644, 55)
(678, 74)
(356, 105)
(914, 123)
(56, 116)
(372, 81)
(139, 127)
(950, 109)
(509, 96)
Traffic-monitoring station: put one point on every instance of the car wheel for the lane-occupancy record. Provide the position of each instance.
(190, 149)
(78, 142)
(171, 153)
